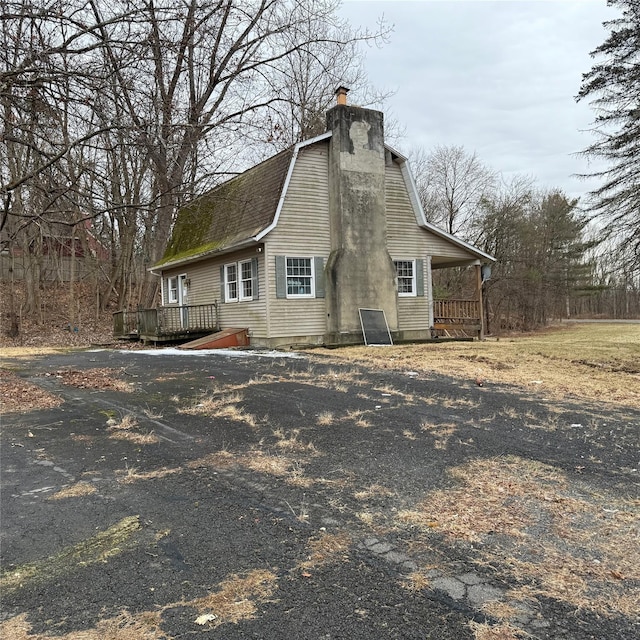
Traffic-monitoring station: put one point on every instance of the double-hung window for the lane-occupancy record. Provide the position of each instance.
(406, 276)
(300, 280)
(246, 280)
(231, 282)
(172, 290)
(239, 281)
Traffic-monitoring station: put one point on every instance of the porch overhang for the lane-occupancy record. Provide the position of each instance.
(444, 263)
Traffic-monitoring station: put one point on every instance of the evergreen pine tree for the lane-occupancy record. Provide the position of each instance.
(613, 86)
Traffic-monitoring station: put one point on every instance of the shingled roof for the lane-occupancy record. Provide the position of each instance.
(230, 214)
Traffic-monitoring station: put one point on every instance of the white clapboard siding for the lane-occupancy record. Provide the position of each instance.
(402, 228)
(302, 230)
(406, 241)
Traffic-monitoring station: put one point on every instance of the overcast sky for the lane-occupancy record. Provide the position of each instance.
(495, 76)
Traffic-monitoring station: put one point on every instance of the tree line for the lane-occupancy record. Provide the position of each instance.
(551, 262)
(115, 113)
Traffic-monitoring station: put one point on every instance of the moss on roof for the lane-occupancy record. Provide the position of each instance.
(235, 211)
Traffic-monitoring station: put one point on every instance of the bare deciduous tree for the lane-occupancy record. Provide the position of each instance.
(120, 111)
(452, 184)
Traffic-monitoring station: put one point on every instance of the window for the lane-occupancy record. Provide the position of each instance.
(239, 281)
(246, 280)
(231, 282)
(406, 275)
(300, 278)
(172, 289)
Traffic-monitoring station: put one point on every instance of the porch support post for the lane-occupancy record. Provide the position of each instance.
(429, 291)
(480, 301)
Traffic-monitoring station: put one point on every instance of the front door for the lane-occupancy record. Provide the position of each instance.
(183, 300)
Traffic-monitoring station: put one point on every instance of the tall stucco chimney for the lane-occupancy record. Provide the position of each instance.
(360, 272)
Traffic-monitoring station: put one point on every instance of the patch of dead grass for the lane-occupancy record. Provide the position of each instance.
(594, 362)
(291, 470)
(218, 460)
(501, 610)
(485, 631)
(236, 599)
(131, 474)
(144, 626)
(265, 463)
(440, 432)
(325, 548)
(126, 430)
(562, 540)
(18, 395)
(289, 441)
(135, 437)
(76, 490)
(417, 580)
(373, 491)
(325, 418)
(357, 416)
(221, 405)
(28, 352)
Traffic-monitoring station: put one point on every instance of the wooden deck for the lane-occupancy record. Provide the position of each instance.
(457, 316)
(452, 318)
(166, 324)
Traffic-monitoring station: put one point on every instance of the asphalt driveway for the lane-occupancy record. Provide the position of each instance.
(229, 496)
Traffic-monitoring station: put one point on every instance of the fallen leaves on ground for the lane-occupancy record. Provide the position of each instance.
(18, 395)
(99, 378)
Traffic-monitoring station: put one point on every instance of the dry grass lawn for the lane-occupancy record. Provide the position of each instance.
(590, 361)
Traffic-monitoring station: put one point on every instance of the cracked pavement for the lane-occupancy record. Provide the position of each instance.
(315, 474)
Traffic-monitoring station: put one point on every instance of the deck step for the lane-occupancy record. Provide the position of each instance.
(220, 340)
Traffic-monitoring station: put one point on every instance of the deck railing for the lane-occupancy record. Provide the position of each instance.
(453, 311)
(125, 323)
(166, 321)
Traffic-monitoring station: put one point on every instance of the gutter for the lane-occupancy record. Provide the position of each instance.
(157, 270)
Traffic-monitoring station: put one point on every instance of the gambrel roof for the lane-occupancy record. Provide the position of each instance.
(230, 214)
(240, 212)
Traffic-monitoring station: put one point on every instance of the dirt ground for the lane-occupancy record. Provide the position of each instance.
(318, 495)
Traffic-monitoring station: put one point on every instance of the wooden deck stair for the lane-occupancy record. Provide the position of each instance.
(220, 340)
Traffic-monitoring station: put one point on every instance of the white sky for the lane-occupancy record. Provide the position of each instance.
(497, 77)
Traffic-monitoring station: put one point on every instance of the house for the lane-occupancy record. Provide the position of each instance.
(292, 248)
(59, 251)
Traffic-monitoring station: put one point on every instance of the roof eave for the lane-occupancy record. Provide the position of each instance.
(422, 219)
(212, 253)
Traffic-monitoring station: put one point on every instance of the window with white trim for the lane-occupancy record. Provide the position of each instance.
(300, 279)
(239, 281)
(172, 290)
(406, 277)
(231, 282)
(246, 280)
